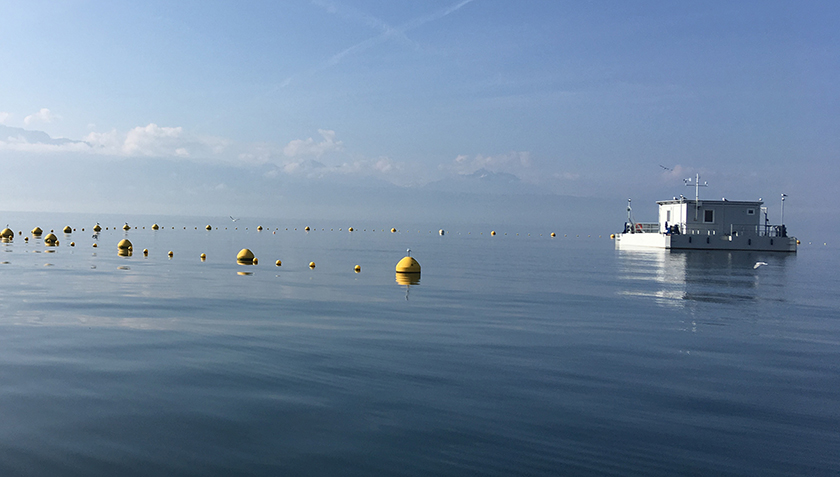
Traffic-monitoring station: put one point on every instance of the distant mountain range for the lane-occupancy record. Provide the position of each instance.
(8, 134)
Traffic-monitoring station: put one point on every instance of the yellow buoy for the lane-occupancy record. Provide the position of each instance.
(259, 227)
(306, 228)
(51, 239)
(245, 256)
(203, 257)
(797, 241)
(350, 229)
(408, 265)
(442, 232)
(209, 227)
(68, 230)
(493, 232)
(311, 264)
(26, 239)
(94, 245)
(170, 254)
(145, 251)
(256, 260)
(125, 244)
(278, 263)
(72, 244)
(612, 236)
(37, 231)
(126, 227)
(7, 233)
(553, 234)
(357, 268)
(155, 226)
(393, 230)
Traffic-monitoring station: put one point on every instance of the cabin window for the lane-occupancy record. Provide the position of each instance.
(750, 211)
(667, 216)
(771, 241)
(708, 216)
(749, 241)
(707, 240)
(689, 240)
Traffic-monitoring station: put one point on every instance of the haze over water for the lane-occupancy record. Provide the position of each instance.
(514, 355)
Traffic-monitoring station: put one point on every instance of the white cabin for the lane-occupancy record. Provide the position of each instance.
(708, 225)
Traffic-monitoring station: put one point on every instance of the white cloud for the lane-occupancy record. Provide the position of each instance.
(3, 117)
(513, 162)
(156, 141)
(308, 147)
(43, 116)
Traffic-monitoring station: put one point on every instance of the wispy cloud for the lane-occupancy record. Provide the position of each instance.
(4, 116)
(387, 32)
(512, 162)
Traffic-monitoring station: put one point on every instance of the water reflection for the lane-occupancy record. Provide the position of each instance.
(674, 277)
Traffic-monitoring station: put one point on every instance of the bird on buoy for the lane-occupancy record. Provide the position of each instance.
(408, 264)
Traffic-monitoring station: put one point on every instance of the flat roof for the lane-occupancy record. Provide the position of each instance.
(754, 203)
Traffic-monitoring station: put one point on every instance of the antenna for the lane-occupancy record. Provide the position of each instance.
(783, 209)
(697, 185)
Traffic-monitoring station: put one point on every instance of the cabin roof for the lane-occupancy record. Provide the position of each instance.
(725, 202)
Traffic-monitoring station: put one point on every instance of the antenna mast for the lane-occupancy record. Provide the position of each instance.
(697, 185)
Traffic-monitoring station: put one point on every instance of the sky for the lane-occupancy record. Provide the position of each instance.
(541, 112)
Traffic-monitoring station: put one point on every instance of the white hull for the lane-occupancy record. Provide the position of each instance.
(705, 242)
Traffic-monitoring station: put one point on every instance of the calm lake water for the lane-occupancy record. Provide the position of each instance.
(513, 355)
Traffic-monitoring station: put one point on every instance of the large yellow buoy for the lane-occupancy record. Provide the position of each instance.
(553, 234)
(259, 227)
(311, 264)
(155, 226)
(126, 227)
(393, 230)
(245, 257)
(306, 228)
(97, 228)
(278, 263)
(350, 229)
(203, 257)
(125, 244)
(145, 251)
(357, 268)
(94, 245)
(51, 239)
(170, 254)
(408, 265)
(442, 231)
(208, 227)
(7, 233)
(37, 231)
(493, 232)
(72, 244)
(68, 229)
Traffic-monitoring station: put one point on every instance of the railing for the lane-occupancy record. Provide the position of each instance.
(641, 227)
(735, 230)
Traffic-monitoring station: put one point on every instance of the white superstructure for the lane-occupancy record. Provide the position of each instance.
(707, 225)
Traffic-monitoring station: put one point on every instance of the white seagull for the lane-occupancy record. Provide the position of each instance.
(758, 264)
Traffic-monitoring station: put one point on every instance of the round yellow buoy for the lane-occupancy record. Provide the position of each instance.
(306, 228)
(245, 256)
(797, 241)
(256, 260)
(493, 232)
(145, 251)
(155, 226)
(393, 230)
(50, 239)
(37, 231)
(72, 244)
(612, 236)
(126, 227)
(311, 264)
(125, 244)
(26, 239)
(68, 230)
(553, 234)
(350, 229)
(357, 268)
(7, 233)
(203, 257)
(94, 245)
(278, 263)
(259, 227)
(442, 232)
(209, 227)
(170, 254)
(408, 265)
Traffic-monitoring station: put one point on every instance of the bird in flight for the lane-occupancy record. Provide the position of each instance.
(231, 218)
(666, 168)
(758, 264)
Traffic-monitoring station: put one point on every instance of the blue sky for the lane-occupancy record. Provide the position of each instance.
(359, 102)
